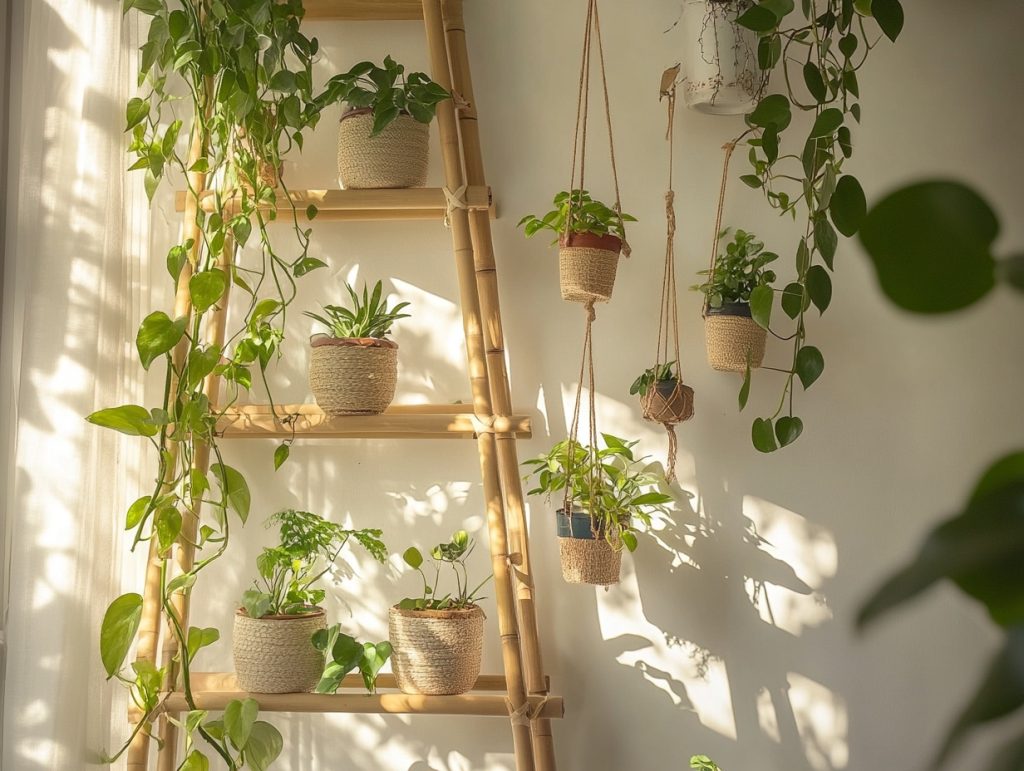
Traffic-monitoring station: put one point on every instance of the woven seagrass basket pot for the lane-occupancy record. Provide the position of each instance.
(275, 654)
(396, 157)
(436, 652)
(587, 265)
(586, 557)
(668, 401)
(353, 376)
(731, 335)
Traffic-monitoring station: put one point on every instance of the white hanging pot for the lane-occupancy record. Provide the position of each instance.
(722, 76)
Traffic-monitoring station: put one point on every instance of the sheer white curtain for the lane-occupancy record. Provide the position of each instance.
(71, 305)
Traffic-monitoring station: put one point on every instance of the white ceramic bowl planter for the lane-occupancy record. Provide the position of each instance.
(436, 652)
(275, 654)
(396, 157)
(722, 76)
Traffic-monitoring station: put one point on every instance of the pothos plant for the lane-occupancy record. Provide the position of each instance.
(226, 89)
(818, 51)
(453, 554)
(578, 213)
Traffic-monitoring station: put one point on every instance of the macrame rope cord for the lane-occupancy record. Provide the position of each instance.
(728, 147)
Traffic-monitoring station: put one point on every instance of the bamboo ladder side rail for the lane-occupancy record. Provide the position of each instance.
(148, 647)
(185, 547)
(487, 282)
(472, 323)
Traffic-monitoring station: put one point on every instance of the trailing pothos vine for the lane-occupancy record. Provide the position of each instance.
(818, 52)
(225, 91)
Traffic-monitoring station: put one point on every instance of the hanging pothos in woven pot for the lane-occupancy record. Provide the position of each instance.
(664, 398)
(820, 46)
(590, 234)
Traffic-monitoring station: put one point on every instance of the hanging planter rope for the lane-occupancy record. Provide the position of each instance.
(733, 339)
(667, 399)
(588, 261)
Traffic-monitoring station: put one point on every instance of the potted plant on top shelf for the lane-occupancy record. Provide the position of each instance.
(353, 370)
(733, 338)
(614, 497)
(383, 137)
(273, 648)
(590, 236)
(438, 638)
(663, 396)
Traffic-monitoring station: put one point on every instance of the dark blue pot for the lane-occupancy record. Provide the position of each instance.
(730, 309)
(576, 526)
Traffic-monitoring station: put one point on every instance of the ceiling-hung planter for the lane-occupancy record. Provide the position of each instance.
(585, 554)
(384, 134)
(720, 62)
(354, 369)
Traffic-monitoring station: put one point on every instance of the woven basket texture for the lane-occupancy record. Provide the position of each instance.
(730, 338)
(587, 274)
(353, 379)
(589, 561)
(436, 652)
(672, 407)
(275, 654)
(396, 157)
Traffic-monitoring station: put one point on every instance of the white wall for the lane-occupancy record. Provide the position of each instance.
(725, 644)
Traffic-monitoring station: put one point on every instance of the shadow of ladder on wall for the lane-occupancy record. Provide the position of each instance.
(465, 203)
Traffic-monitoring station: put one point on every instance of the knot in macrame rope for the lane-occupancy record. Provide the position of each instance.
(670, 212)
(591, 313)
(454, 199)
(525, 713)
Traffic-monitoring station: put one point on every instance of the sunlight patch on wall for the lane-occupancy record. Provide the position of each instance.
(822, 720)
(688, 674)
(808, 550)
(434, 503)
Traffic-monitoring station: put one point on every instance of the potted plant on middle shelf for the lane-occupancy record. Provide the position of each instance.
(613, 497)
(437, 639)
(732, 337)
(353, 370)
(383, 136)
(663, 396)
(590, 236)
(273, 633)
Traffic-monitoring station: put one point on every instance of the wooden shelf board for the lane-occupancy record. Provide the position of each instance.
(416, 203)
(417, 421)
(226, 681)
(364, 10)
(481, 704)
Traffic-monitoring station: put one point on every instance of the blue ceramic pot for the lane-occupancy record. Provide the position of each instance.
(576, 526)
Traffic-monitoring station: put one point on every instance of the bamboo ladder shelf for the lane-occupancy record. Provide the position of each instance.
(521, 694)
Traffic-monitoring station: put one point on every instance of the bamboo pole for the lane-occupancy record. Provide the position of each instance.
(470, 304)
(228, 681)
(487, 281)
(149, 625)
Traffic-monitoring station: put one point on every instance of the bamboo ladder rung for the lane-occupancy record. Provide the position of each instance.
(227, 681)
(417, 203)
(411, 421)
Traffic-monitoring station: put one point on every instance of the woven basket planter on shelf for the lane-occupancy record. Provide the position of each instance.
(587, 265)
(353, 376)
(396, 157)
(436, 652)
(587, 557)
(275, 654)
(731, 336)
(668, 401)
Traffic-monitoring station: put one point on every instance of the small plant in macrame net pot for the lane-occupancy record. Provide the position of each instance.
(720, 58)
(273, 636)
(353, 369)
(609, 497)
(590, 236)
(737, 285)
(438, 636)
(663, 396)
(384, 134)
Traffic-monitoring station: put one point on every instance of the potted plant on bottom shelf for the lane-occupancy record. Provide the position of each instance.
(383, 136)
(354, 369)
(590, 236)
(664, 397)
(273, 634)
(613, 498)
(437, 639)
(733, 338)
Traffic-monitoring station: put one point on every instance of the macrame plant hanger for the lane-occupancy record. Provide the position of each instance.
(675, 406)
(591, 35)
